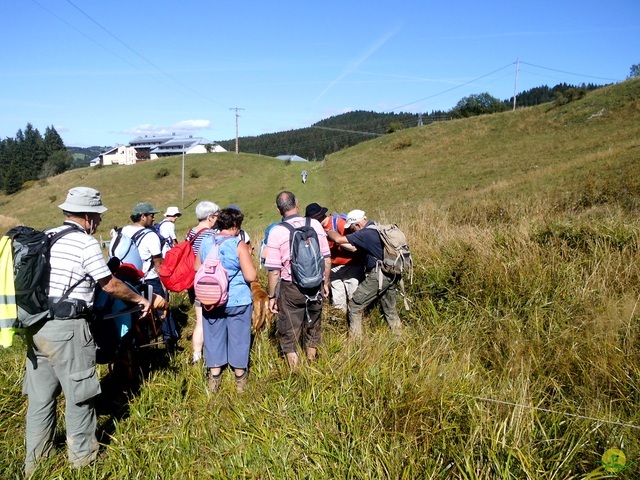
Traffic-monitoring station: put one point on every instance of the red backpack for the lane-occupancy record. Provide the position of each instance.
(177, 273)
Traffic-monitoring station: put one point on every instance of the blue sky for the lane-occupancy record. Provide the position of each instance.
(103, 72)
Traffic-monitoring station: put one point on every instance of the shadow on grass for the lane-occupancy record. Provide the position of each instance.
(128, 370)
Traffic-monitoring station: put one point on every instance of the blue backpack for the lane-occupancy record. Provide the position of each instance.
(163, 240)
(307, 262)
(334, 220)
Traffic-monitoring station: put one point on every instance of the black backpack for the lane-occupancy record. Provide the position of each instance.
(307, 262)
(31, 270)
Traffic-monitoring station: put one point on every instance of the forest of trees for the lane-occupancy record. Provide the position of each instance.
(332, 134)
(349, 129)
(30, 157)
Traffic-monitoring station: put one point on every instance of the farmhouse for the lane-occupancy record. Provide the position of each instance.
(145, 148)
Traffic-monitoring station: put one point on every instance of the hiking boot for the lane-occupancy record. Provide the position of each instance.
(214, 382)
(396, 330)
(241, 381)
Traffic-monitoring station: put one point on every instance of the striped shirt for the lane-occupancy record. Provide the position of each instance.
(72, 257)
(198, 241)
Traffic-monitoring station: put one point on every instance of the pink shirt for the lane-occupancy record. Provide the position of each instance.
(278, 254)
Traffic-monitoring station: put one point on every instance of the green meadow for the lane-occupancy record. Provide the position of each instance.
(521, 353)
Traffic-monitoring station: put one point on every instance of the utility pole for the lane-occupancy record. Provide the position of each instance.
(182, 177)
(515, 88)
(237, 116)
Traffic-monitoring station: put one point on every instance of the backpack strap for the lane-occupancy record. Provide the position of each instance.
(292, 230)
(140, 234)
(218, 245)
(53, 239)
(137, 237)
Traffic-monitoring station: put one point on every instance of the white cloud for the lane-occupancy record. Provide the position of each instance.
(183, 127)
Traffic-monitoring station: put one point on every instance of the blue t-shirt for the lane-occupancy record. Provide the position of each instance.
(368, 239)
(239, 290)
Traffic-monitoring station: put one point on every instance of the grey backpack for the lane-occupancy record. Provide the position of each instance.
(307, 262)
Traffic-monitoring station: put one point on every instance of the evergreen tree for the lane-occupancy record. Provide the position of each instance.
(12, 179)
(33, 153)
(58, 162)
(52, 141)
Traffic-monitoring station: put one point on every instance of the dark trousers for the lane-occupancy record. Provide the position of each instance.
(170, 329)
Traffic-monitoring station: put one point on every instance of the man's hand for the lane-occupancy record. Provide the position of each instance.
(273, 305)
(146, 306)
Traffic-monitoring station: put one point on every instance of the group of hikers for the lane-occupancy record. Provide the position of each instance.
(339, 257)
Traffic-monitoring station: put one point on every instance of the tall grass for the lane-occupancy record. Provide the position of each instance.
(520, 358)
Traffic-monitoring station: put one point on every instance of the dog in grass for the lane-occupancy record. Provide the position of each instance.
(261, 314)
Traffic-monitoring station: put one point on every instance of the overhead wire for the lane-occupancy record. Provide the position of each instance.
(127, 46)
(451, 89)
(145, 59)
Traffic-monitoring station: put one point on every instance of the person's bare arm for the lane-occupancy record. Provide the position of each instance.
(246, 264)
(340, 240)
(157, 262)
(273, 277)
(327, 276)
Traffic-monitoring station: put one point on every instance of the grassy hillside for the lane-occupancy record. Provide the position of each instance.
(521, 353)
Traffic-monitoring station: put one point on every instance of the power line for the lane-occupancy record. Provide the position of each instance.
(88, 37)
(183, 85)
(571, 73)
(351, 131)
(450, 89)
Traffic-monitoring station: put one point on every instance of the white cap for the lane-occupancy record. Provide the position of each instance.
(354, 216)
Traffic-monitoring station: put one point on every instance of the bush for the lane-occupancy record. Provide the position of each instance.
(194, 173)
(163, 172)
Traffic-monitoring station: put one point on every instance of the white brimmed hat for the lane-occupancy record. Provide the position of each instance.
(83, 200)
(172, 212)
(354, 216)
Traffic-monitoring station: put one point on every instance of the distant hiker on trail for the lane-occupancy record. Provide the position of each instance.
(207, 215)
(149, 246)
(227, 328)
(167, 229)
(304, 176)
(347, 269)
(61, 353)
(369, 290)
(299, 308)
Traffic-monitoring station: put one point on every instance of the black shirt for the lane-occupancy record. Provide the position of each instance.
(368, 239)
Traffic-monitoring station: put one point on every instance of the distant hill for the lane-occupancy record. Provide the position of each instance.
(83, 155)
(342, 131)
(577, 153)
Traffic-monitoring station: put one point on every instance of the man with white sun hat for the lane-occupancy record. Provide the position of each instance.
(61, 352)
(167, 229)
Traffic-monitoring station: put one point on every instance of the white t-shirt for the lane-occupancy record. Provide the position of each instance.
(168, 231)
(148, 246)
